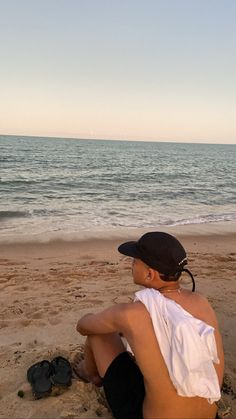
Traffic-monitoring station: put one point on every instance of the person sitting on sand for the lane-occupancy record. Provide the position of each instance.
(173, 366)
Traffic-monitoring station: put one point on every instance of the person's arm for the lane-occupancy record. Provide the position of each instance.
(110, 320)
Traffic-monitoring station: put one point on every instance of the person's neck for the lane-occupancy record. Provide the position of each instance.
(169, 288)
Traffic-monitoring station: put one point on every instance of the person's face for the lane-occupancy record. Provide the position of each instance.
(139, 271)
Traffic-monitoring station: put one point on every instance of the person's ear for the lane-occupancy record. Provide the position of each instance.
(150, 275)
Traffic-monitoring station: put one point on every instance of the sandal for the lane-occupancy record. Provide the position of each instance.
(38, 376)
(61, 372)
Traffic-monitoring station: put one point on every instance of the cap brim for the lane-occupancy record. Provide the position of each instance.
(129, 249)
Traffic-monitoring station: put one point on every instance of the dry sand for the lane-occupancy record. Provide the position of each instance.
(46, 288)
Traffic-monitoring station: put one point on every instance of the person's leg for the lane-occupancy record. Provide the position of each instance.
(108, 363)
(100, 351)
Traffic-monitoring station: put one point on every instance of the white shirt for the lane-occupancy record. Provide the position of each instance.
(187, 345)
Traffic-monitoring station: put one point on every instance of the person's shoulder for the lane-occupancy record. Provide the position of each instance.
(202, 309)
(201, 300)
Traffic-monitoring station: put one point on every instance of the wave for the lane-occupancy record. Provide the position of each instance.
(13, 214)
(112, 218)
(202, 219)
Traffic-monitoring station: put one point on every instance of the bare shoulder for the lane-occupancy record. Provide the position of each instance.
(199, 306)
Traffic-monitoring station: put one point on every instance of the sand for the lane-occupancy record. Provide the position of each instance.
(47, 287)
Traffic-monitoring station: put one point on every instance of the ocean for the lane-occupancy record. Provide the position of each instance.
(56, 188)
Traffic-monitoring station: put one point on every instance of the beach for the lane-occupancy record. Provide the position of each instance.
(47, 287)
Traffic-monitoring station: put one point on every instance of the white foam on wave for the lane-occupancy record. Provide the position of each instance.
(205, 219)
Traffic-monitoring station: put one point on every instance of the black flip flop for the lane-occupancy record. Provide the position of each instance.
(38, 376)
(61, 372)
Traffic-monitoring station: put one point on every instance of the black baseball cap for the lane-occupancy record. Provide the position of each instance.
(160, 251)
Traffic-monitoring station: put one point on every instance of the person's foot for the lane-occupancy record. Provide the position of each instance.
(80, 371)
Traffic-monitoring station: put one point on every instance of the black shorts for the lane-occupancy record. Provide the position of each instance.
(124, 388)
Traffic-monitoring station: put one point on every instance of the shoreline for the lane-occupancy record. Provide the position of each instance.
(46, 287)
(122, 233)
(221, 237)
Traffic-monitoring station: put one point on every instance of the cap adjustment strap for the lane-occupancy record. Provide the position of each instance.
(191, 275)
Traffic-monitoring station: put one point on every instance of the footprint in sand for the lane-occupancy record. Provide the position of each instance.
(54, 321)
(24, 288)
(4, 324)
(25, 322)
(37, 314)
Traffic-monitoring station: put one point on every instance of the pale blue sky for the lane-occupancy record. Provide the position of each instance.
(130, 69)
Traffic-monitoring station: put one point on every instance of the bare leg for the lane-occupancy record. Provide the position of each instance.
(85, 366)
(100, 350)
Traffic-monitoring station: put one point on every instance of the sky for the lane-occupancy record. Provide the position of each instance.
(156, 70)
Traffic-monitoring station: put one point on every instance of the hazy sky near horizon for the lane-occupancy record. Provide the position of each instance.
(161, 70)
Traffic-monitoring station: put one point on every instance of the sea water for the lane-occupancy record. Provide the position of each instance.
(57, 187)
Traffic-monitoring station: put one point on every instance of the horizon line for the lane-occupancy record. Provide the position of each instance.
(199, 141)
